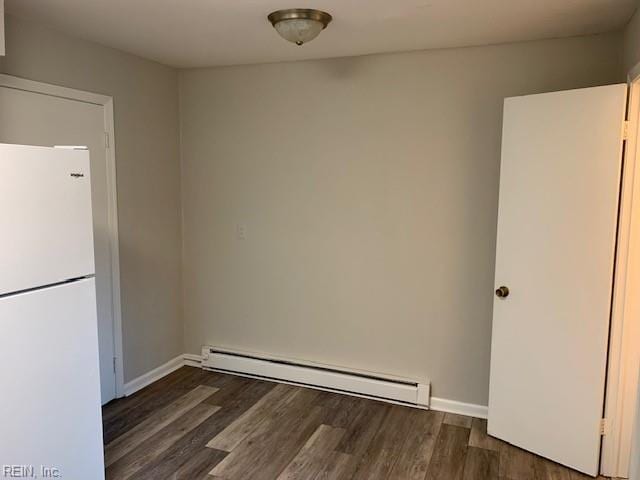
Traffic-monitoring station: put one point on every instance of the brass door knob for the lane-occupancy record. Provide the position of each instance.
(502, 292)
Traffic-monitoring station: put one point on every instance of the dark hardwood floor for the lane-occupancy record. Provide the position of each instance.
(199, 425)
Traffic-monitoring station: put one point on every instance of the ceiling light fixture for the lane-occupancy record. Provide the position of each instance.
(299, 25)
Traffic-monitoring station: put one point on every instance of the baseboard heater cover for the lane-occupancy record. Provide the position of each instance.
(384, 388)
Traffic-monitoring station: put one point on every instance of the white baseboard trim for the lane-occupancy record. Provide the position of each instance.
(156, 374)
(192, 360)
(452, 406)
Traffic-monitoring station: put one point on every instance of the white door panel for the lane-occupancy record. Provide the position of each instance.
(559, 181)
(30, 118)
(45, 216)
(51, 390)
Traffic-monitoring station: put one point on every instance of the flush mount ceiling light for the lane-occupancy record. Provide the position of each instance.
(299, 25)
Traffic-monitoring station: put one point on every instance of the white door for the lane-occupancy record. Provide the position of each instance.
(45, 217)
(559, 182)
(50, 412)
(30, 118)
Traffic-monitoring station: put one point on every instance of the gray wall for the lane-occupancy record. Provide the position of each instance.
(368, 187)
(632, 43)
(146, 121)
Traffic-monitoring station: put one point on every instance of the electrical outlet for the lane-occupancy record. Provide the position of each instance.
(241, 231)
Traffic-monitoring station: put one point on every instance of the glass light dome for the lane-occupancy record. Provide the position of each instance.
(299, 30)
(299, 25)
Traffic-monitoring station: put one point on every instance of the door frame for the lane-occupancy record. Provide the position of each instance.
(624, 350)
(18, 83)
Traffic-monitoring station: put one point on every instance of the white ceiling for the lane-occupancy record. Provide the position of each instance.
(197, 33)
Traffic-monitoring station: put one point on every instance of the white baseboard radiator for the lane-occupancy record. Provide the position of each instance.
(362, 384)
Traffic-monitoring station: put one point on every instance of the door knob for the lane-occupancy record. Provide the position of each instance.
(502, 292)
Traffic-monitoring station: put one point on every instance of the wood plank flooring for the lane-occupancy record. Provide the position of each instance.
(198, 425)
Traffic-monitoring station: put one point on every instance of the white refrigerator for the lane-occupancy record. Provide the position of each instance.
(50, 413)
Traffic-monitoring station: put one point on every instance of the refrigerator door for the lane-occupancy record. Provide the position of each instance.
(50, 414)
(45, 216)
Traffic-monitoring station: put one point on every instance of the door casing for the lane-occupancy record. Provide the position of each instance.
(9, 81)
(624, 348)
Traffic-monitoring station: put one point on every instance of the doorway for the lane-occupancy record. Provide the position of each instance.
(559, 184)
(624, 347)
(569, 224)
(33, 113)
